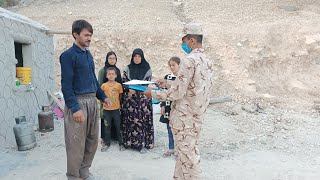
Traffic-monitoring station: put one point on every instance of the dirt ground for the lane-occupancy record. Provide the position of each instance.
(271, 144)
(266, 56)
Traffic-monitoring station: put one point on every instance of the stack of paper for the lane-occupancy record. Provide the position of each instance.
(138, 82)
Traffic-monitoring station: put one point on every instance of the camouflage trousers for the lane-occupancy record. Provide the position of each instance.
(188, 155)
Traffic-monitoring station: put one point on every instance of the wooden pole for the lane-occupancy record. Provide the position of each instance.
(52, 32)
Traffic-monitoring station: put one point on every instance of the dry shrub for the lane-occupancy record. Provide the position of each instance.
(7, 3)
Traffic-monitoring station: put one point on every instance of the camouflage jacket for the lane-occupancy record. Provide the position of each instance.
(190, 92)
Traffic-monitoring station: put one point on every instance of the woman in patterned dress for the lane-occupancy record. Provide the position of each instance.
(137, 115)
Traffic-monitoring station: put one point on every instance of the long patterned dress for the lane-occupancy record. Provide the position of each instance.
(137, 117)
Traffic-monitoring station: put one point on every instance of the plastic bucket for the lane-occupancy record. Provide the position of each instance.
(23, 74)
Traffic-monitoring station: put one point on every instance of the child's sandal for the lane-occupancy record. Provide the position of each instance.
(167, 154)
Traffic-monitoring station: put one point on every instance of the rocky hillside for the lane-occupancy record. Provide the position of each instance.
(267, 50)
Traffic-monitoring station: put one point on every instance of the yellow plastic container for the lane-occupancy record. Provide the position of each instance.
(23, 74)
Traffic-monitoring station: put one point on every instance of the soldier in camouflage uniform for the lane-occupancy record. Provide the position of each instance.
(190, 93)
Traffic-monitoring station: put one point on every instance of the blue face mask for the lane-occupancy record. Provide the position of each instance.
(186, 48)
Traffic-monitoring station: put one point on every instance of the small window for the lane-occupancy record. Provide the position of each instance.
(23, 55)
(18, 53)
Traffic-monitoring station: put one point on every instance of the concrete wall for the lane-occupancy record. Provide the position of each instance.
(38, 54)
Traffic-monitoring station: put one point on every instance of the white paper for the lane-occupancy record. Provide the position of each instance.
(137, 82)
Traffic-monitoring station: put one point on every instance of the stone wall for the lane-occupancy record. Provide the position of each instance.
(18, 100)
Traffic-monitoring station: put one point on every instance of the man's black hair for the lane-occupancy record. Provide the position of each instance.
(79, 25)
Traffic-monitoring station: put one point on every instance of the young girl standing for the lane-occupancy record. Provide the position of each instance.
(111, 61)
(166, 105)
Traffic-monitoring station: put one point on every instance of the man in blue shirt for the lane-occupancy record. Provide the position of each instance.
(80, 89)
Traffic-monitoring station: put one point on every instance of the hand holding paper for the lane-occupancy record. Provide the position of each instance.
(161, 83)
(148, 92)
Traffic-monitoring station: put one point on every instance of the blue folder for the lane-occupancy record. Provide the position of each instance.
(142, 89)
(138, 87)
(154, 101)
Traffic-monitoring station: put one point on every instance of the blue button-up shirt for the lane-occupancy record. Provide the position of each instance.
(78, 76)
